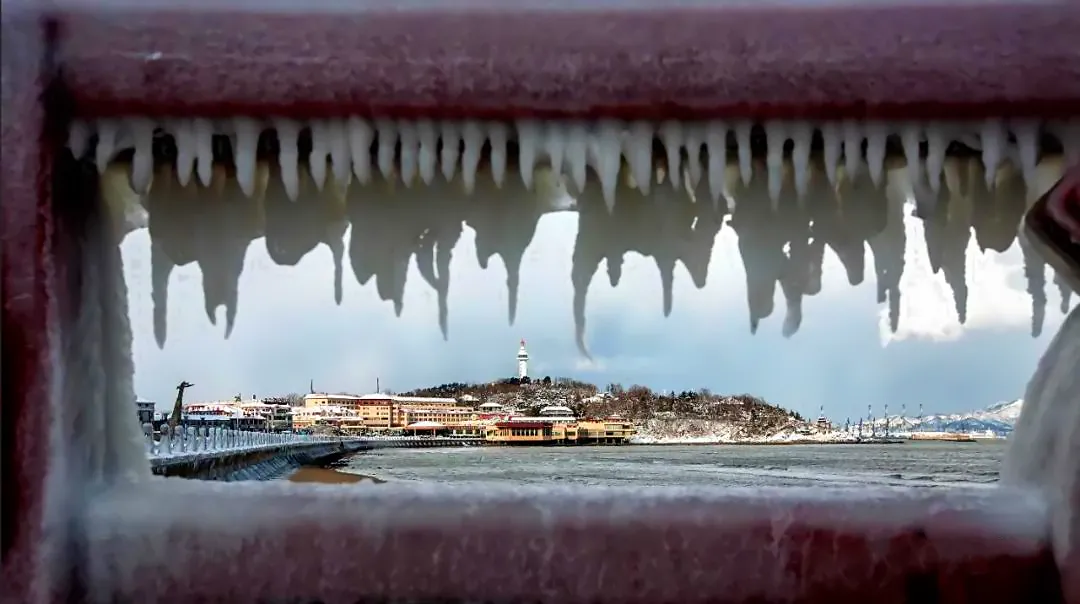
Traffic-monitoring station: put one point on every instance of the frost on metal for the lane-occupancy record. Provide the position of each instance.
(640, 544)
(1044, 451)
(133, 537)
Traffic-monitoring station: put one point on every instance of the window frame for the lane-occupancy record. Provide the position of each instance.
(675, 545)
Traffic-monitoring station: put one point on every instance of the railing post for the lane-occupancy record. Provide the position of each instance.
(165, 447)
(148, 435)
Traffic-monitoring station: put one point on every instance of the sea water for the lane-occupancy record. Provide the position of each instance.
(925, 464)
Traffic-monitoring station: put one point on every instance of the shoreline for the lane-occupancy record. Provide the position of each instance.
(771, 443)
(330, 475)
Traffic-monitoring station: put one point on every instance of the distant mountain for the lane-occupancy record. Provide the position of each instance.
(999, 418)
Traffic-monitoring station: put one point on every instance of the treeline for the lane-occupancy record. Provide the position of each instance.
(635, 402)
(641, 402)
(508, 386)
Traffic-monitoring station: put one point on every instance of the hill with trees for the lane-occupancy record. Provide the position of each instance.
(687, 415)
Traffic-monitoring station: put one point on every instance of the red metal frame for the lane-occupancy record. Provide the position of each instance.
(676, 62)
(115, 58)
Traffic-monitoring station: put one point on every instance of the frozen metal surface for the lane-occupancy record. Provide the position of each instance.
(870, 60)
(422, 543)
(27, 277)
(276, 541)
(1044, 453)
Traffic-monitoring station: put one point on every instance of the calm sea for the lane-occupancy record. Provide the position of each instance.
(913, 464)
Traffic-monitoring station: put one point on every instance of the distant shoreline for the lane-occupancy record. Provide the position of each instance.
(771, 443)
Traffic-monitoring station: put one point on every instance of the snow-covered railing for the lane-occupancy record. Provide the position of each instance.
(189, 440)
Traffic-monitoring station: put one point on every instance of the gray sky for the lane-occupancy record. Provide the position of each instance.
(289, 330)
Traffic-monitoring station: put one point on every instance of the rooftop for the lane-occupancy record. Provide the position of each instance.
(424, 424)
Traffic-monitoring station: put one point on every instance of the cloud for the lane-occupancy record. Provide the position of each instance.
(997, 298)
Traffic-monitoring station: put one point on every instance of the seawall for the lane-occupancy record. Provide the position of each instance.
(263, 463)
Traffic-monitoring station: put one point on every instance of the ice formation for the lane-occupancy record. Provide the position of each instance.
(1044, 451)
(789, 189)
(396, 542)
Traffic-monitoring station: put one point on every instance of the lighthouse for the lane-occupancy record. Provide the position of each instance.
(523, 361)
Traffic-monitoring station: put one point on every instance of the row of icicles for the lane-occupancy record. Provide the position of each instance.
(781, 242)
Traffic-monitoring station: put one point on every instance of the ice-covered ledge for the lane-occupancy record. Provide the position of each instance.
(983, 52)
(422, 543)
(1044, 451)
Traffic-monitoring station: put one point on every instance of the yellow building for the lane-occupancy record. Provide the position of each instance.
(389, 412)
(354, 414)
(557, 430)
(347, 401)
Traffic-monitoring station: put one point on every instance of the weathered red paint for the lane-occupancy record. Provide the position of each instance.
(855, 61)
(25, 237)
(366, 545)
(852, 62)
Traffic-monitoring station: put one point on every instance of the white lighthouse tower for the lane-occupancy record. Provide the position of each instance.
(523, 361)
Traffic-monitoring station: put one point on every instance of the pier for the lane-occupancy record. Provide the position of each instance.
(214, 453)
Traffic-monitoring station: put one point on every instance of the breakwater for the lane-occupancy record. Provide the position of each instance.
(214, 453)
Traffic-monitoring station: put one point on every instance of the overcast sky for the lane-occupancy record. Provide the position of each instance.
(289, 331)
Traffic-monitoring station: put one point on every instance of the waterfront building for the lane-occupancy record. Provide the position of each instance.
(322, 399)
(559, 430)
(557, 411)
(386, 412)
(226, 414)
(306, 419)
(435, 416)
(253, 414)
(145, 410)
(277, 417)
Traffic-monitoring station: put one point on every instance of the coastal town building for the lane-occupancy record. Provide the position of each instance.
(383, 413)
(252, 414)
(145, 409)
(492, 422)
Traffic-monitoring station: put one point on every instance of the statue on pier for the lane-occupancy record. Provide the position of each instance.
(178, 406)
